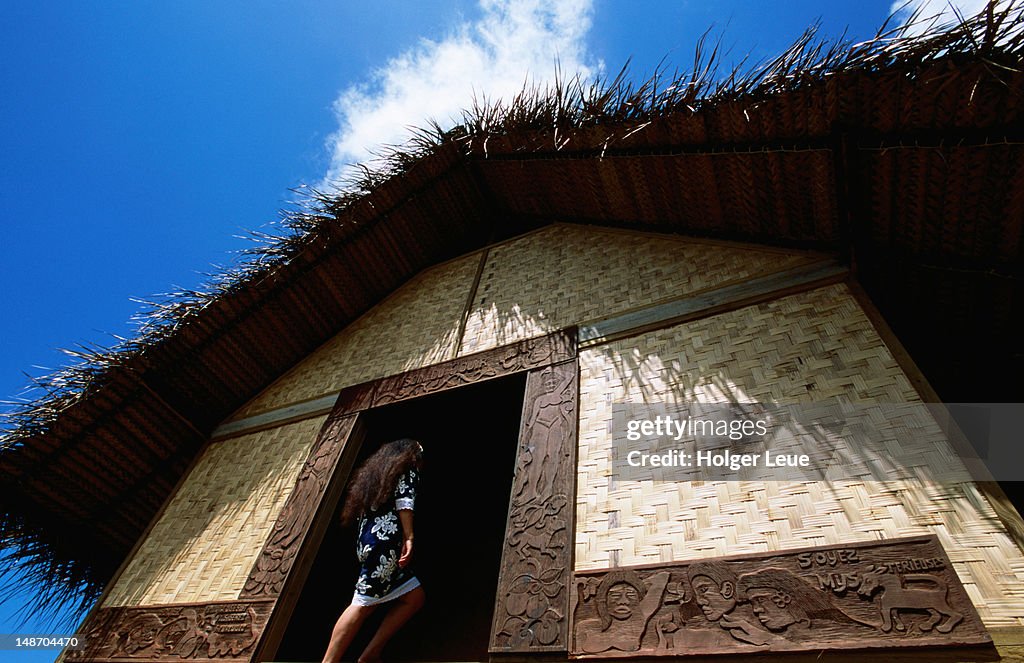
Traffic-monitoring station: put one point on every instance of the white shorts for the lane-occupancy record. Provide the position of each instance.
(406, 587)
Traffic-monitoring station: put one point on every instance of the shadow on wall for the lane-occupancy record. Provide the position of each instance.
(806, 348)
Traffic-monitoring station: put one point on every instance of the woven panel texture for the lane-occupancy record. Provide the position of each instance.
(208, 538)
(569, 274)
(801, 348)
(414, 327)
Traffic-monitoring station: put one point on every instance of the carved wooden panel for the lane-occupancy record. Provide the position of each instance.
(531, 607)
(896, 593)
(268, 574)
(524, 355)
(196, 632)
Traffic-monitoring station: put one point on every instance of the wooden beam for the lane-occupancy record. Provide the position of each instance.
(467, 310)
(279, 417)
(218, 630)
(712, 302)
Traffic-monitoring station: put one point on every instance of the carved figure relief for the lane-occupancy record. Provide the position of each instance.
(625, 604)
(546, 426)
(785, 604)
(714, 586)
(532, 603)
(898, 593)
(275, 561)
(213, 631)
(533, 352)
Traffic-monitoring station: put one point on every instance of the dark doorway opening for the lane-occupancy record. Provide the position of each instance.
(470, 436)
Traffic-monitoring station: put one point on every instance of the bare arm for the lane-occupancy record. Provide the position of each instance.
(405, 519)
(652, 600)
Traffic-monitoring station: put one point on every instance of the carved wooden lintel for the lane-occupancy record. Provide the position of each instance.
(506, 360)
(895, 593)
(222, 631)
(356, 398)
(532, 602)
(268, 574)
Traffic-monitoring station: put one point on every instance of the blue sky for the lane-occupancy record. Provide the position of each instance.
(138, 139)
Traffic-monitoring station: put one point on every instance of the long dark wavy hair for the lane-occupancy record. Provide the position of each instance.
(377, 477)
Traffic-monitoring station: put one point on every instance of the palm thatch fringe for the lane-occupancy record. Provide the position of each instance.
(51, 587)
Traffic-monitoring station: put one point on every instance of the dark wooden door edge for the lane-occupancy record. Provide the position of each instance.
(338, 445)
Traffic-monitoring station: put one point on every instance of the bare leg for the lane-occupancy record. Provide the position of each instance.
(405, 607)
(345, 629)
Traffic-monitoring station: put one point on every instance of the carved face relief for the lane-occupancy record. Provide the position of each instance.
(714, 601)
(622, 600)
(549, 381)
(141, 633)
(771, 608)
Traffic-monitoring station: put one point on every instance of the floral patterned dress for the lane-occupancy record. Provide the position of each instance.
(380, 545)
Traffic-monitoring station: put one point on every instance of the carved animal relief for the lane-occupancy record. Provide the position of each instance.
(898, 593)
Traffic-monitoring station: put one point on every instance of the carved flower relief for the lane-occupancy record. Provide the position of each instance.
(532, 620)
(540, 514)
(184, 636)
(268, 574)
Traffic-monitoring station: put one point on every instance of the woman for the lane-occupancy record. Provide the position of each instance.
(380, 502)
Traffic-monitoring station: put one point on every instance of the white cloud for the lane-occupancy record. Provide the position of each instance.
(934, 12)
(514, 42)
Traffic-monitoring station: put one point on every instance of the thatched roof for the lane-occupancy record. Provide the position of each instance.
(904, 155)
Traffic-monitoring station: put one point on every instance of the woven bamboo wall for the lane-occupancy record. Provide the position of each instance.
(205, 543)
(805, 347)
(568, 274)
(414, 327)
